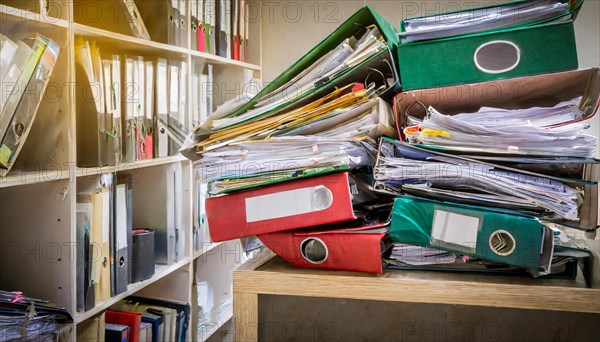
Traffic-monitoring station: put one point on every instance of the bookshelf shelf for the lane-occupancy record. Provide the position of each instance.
(127, 44)
(128, 167)
(17, 178)
(213, 59)
(204, 336)
(161, 271)
(10, 14)
(206, 249)
(41, 205)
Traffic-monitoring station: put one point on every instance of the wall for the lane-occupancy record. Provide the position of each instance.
(291, 28)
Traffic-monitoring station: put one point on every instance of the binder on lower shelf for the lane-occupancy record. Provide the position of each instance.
(159, 207)
(84, 284)
(120, 237)
(175, 315)
(116, 332)
(132, 320)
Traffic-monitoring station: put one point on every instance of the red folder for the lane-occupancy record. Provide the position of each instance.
(291, 205)
(236, 47)
(131, 319)
(354, 249)
(138, 142)
(149, 145)
(201, 38)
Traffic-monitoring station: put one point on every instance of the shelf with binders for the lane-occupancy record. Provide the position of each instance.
(162, 274)
(35, 13)
(132, 45)
(36, 104)
(114, 23)
(116, 253)
(129, 45)
(130, 108)
(37, 241)
(161, 202)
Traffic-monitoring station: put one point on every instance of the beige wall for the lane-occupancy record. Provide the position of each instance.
(291, 28)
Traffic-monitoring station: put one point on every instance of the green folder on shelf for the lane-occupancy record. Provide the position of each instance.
(491, 234)
(506, 49)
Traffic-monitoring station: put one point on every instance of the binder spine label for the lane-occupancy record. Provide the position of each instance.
(288, 203)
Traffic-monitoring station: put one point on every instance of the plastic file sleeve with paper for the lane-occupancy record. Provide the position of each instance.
(500, 16)
(548, 90)
(538, 131)
(566, 262)
(270, 159)
(404, 168)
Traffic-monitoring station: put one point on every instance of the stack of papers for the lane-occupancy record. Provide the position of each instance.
(431, 175)
(418, 256)
(348, 112)
(483, 19)
(537, 131)
(281, 112)
(251, 164)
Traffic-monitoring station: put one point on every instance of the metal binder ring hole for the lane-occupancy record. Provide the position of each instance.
(497, 57)
(314, 250)
(121, 261)
(19, 128)
(322, 198)
(162, 130)
(171, 18)
(502, 243)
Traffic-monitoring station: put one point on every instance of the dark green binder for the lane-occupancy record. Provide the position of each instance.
(528, 50)
(365, 17)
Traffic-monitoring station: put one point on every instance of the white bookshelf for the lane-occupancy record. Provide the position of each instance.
(38, 200)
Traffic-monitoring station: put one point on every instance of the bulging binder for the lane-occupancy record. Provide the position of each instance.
(292, 205)
(347, 249)
(490, 234)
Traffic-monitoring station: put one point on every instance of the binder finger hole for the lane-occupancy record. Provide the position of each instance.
(497, 57)
(502, 243)
(314, 250)
(322, 198)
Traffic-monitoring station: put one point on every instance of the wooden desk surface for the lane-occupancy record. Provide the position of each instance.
(272, 275)
(269, 274)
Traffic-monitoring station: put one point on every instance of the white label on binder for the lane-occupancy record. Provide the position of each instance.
(288, 203)
(455, 229)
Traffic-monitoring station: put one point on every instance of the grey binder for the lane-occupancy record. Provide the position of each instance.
(119, 246)
(162, 20)
(160, 209)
